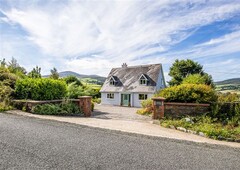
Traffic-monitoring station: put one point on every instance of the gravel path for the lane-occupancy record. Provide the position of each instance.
(117, 112)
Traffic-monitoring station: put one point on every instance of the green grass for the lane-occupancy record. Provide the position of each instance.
(232, 88)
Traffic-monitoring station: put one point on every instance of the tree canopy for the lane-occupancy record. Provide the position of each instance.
(72, 79)
(54, 74)
(188, 71)
(35, 73)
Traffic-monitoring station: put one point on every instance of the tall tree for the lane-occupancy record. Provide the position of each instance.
(181, 69)
(15, 68)
(3, 63)
(54, 73)
(35, 73)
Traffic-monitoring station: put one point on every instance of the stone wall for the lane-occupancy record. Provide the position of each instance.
(181, 109)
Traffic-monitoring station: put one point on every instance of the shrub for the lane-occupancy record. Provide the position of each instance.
(228, 97)
(198, 79)
(57, 109)
(147, 107)
(226, 112)
(196, 93)
(40, 89)
(72, 79)
(96, 100)
(92, 106)
(73, 91)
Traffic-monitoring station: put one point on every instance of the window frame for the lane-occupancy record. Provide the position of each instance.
(110, 95)
(145, 96)
(112, 82)
(143, 80)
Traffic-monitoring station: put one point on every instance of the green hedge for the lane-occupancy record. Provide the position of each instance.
(196, 93)
(40, 89)
(57, 109)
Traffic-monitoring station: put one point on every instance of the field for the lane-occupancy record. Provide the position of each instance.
(95, 84)
(232, 88)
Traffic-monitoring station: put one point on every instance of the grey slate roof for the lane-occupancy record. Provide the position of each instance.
(128, 79)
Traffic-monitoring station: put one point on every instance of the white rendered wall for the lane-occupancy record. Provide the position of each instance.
(136, 101)
(105, 100)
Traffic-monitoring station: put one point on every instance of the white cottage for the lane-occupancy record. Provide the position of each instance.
(128, 86)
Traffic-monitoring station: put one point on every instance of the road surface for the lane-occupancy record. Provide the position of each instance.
(30, 143)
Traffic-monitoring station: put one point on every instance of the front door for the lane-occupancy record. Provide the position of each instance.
(125, 99)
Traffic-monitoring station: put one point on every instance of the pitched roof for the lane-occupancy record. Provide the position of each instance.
(128, 78)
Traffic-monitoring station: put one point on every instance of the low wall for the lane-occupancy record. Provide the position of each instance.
(181, 109)
(83, 102)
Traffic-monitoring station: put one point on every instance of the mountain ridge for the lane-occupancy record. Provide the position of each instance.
(81, 76)
(228, 81)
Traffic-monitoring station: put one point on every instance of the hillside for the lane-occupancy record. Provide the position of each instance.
(229, 85)
(228, 81)
(81, 76)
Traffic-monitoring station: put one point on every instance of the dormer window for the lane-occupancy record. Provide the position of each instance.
(143, 80)
(112, 81)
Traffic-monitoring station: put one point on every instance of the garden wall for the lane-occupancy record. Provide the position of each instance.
(180, 109)
(84, 103)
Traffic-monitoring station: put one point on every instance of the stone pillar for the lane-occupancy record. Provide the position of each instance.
(85, 105)
(158, 107)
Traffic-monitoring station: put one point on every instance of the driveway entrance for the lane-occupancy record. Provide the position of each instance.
(118, 112)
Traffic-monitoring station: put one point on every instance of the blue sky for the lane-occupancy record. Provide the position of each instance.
(91, 37)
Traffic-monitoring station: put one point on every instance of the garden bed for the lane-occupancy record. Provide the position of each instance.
(205, 126)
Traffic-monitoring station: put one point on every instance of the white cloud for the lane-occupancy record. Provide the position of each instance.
(121, 31)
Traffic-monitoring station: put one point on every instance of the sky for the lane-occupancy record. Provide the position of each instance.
(91, 37)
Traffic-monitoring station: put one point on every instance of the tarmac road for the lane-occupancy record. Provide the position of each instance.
(31, 143)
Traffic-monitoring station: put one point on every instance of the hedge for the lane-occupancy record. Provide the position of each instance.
(40, 89)
(194, 93)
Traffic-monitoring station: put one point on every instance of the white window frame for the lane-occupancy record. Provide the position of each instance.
(112, 81)
(143, 80)
(145, 96)
(110, 95)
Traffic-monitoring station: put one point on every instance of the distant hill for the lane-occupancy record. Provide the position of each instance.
(81, 76)
(229, 85)
(228, 81)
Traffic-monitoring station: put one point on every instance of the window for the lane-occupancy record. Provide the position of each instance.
(112, 82)
(143, 80)
(110, 95)
(142, 96)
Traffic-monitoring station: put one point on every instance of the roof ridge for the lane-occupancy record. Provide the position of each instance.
(139, 65)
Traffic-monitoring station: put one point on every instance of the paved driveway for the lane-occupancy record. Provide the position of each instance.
(117, 112)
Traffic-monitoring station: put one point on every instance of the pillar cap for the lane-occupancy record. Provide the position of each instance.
(158, 98)
(84, 97)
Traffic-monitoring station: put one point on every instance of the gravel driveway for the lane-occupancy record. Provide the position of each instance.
(117, 112)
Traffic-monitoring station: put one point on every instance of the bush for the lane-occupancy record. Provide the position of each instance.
(57, 109)
(196, 93)
(72, 79)
(96, 100)
(226, 112)
(228, 97)
(210, 127)
(92, 106)
(73, 91)
(147, 107)
(40, 89)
